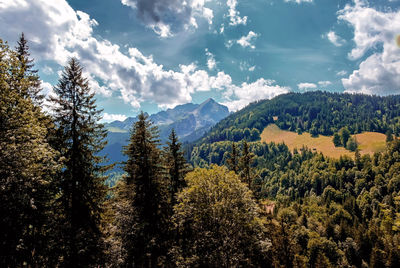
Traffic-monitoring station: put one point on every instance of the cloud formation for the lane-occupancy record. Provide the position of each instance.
(167, 17)
(306, 86)
(234, 15)
(112, 117)
(239, 96)
(57, 32)
(379, 73)
(341, 73)
(334, 39)
(246, 41)
(300, 1)
(324, 83)
(211, 62)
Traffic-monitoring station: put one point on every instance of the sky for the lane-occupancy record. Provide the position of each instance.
(150, 55)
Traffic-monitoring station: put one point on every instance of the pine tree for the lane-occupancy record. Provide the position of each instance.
(175, 165)
(140, 220)
(79, 138)
(27, 164)
(27, 70)
(245, 162)
(233, 159)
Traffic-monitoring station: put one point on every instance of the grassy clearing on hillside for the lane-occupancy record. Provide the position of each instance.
(368, 142)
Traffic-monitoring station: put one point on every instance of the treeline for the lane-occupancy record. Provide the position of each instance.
(246, 204)
(326, 212)
(56, 210)
(314, 112)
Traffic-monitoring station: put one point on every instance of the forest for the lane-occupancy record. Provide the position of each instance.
(318, 112)
(227, 200)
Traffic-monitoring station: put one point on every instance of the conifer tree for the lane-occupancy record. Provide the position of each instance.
(233, 159)
(139, 219)
(27, 71)
(245, 162)
(175, 165)
(79, 138)
(27, 163)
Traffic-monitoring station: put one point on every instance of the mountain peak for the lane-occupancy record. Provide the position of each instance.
(209, 100)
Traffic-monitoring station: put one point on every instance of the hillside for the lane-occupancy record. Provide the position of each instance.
(308, 119)
(314, 112)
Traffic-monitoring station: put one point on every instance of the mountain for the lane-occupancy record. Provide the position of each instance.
(190, 121)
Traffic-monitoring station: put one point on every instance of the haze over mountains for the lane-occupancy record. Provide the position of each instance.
(190, 121)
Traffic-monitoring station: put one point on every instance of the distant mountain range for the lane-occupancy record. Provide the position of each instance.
(190, 121)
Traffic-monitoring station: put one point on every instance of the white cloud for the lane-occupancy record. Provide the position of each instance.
(334, 39)
(379, 73)
(57, 32)
(341, 73)
(324, 83)
(245, 41)
(239, 97)
(244, 66)
(112, 117)
(169, 17)
(234, 15)
(300, 1)
(211, 62)
(306, 86)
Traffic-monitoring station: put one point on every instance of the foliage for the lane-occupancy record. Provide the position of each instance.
(315, 112)
(141, 197)
(303, 209)
(27, 164)
(218, 222)
(79, 138)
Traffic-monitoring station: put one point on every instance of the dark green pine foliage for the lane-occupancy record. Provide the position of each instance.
(245, 163)
(232, 161)
(141, 221)
(27, 71)
(175, 165)
(337, 141)
(27, 164)
(79, 137)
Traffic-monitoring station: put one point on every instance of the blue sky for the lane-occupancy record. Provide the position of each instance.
(154, 54)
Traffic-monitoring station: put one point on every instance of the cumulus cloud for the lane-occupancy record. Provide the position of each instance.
(57, 32)
(112, 117)
(306, 86)
(334, 38)
(239, 96)
(300, 1)
(167, 17)
(379, 73)
(211, 62)
(246, 41)
(234, 15)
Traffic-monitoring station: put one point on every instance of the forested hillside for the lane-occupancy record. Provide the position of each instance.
(236, 203)
(314, 112)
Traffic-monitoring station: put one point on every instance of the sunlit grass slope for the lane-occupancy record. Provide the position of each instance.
(368, 142)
